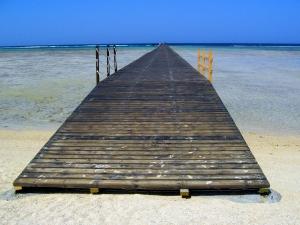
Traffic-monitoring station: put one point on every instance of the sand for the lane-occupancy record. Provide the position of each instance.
(279, 157)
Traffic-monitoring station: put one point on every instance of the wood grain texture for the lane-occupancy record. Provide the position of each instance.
(156, 124)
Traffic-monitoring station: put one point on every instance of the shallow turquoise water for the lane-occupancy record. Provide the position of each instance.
(260, 86)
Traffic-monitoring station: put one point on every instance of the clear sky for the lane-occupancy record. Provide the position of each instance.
(26, 22)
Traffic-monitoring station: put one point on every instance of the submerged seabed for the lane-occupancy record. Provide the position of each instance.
(260, 85)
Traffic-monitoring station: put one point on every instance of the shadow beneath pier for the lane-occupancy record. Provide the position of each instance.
(272, 197)
(237, 196)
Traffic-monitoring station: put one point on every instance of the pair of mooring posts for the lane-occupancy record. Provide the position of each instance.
(205, 64)
(107, 61)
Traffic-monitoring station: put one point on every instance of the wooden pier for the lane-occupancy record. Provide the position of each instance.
(156, 124)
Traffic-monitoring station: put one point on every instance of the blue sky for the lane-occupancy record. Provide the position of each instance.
(27, 22)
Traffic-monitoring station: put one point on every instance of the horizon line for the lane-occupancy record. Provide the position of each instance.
(157, 43)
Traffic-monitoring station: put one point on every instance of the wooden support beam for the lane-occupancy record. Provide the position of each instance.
(198, 61)
(210, 68)
(94, 190)
(264, 191)
(185, 193)
(107, 61)
(18, 188)
(115, 59)
(97, 65)
(203, 62)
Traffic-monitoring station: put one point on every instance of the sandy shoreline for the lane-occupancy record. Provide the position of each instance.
(279, 157)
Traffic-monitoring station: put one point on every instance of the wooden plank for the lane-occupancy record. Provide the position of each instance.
(143, 157)
(147, 153)
(135, 176)
(148, 161)
(75, 170)
(156, 124)
(136, 166)
(146, 184)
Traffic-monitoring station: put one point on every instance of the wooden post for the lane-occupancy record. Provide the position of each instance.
(199, 54)
(185, 193)
(203, 63)
(18, 188)
(210, 68)
(264, 191)
(107, 61)
(94, 190)
(97, 65)
(115, 59)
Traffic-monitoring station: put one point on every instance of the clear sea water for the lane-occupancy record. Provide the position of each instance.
(260, 85)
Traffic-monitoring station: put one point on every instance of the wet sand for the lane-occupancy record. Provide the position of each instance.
(279, 157)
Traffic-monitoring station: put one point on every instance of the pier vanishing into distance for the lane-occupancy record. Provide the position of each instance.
(156, 124)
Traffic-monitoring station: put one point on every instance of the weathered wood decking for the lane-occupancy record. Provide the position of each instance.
(154, 125)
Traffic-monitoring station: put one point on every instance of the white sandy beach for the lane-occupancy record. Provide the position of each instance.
(279, 157)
